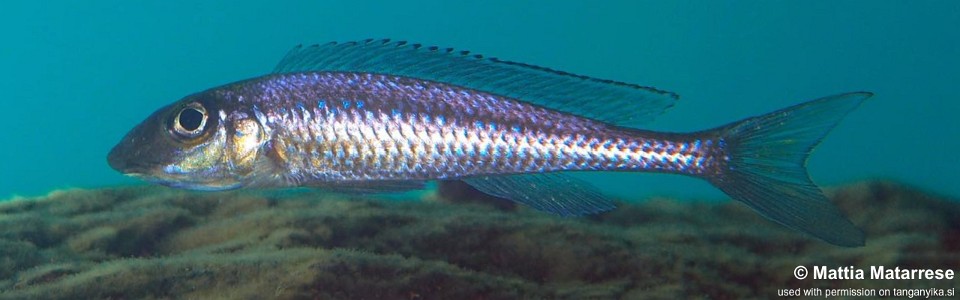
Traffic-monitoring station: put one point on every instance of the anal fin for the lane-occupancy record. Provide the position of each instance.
(374, 187)
(554, 193)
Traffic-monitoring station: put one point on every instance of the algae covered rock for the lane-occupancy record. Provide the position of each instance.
(154, 242)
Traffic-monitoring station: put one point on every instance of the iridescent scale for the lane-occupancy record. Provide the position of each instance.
(342, 127)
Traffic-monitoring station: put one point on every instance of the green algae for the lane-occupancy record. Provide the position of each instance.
(153, 242)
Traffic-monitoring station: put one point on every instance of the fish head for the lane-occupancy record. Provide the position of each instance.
(194, 143)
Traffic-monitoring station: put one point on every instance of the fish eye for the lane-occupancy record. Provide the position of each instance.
(190, 121)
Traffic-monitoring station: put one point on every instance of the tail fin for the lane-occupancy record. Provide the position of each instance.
(766, 167)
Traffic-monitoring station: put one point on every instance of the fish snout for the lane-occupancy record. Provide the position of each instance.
(130, 156)
(117, 160)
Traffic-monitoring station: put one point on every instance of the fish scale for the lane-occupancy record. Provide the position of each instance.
(405, 124)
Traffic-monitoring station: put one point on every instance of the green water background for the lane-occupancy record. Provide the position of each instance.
(76, 75)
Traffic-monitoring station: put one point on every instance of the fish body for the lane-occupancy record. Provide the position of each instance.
(347, 127)
(328, 117)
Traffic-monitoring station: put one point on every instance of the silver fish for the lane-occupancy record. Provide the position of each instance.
(377, 116)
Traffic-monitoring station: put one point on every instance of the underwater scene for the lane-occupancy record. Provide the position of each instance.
(480, 150)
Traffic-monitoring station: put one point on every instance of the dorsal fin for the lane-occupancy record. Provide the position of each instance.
(614, 102)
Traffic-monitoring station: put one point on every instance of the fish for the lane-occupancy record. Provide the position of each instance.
(376, 116)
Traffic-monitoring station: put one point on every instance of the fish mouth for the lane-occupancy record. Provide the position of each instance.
(182, 181)
(131, 163)
(201, 185)
(141, 175)
(119, 161)
(131, 169)
(154, 173)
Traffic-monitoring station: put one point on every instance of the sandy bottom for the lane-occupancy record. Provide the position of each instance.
(154, 242)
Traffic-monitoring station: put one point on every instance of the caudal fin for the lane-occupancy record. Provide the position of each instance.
(766, 167)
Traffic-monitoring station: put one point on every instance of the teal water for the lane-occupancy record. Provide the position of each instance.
(78, 75)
